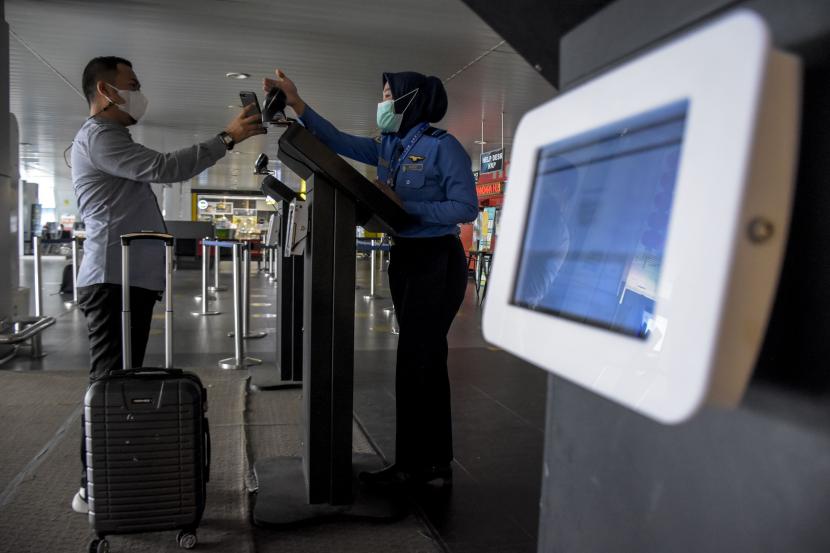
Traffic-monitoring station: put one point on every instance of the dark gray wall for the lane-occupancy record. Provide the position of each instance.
(8, 183)
(754, 479)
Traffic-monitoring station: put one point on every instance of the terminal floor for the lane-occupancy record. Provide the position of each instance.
(498, 411)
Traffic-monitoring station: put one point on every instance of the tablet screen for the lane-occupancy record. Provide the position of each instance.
(596, 228)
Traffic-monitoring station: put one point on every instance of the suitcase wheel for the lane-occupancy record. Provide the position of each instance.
(187, 540)
(99, 546)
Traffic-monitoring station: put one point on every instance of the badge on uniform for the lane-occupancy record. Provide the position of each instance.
(416, 159)
(412, 166)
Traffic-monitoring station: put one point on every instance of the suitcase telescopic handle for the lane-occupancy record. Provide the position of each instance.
(126, 326)
(127, 239)
(147, 372)
(207, 450)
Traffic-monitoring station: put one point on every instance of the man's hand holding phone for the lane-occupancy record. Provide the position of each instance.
(245, 125)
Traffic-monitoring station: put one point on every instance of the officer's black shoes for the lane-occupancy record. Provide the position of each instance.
(389, 476)
(394, 475)
(435, 475)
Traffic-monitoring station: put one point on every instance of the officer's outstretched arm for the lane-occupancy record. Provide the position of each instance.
(362, 149)
(359, 148)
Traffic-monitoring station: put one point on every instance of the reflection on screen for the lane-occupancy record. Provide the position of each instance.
(597, 223)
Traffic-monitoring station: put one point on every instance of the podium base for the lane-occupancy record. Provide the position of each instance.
(232, 364)
(252, 335)
(267, 377)
(281, 497)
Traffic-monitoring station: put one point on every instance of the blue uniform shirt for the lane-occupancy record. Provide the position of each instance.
(435, 181)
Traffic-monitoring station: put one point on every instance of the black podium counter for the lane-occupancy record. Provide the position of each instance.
(378, 209)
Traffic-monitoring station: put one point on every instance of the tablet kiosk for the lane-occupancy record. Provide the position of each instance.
(645, 221)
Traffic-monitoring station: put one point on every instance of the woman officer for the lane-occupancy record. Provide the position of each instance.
(432, 174)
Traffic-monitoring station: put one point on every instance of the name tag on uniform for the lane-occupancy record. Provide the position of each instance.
(413, 166)
(383, 163)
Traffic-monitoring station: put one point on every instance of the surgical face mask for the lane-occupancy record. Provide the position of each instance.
(135, 103)
(388, 120)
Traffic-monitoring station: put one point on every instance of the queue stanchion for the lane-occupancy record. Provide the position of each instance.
(217, 258)
(371, 294)
(275, 255)
(272, 255)
(37, 343)
(267, 259)
(74, 271)
(238, 361)
(390, 311)
(28, 328)
(246, 299)
(205, 312)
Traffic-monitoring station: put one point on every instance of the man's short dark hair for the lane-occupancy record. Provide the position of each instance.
(100, 69)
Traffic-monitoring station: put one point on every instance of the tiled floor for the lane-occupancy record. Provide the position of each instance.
(498, 401)
(498, 417)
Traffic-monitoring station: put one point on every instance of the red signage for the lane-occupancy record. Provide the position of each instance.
(489, 189)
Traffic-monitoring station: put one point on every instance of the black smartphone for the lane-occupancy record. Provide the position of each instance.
(273, 108)
(249, 97)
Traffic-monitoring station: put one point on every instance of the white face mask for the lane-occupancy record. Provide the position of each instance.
(135, 103)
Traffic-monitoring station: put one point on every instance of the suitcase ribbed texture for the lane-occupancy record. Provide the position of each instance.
(146, 458)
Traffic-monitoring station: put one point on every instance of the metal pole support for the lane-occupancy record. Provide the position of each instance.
(266, 259)
(371, 294)
(246, 299)
(238, 361)
(217, 258)
(168, 307)
(37, 344)
(205, 297)
(75, 270)
(272, 272)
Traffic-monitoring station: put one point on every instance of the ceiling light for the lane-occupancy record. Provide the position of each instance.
(235, 75)
(234, 107)
(482, 142)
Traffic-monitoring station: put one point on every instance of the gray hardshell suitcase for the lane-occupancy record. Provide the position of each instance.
(147, 437)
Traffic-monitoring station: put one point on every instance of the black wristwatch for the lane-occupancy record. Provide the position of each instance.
(227, 140)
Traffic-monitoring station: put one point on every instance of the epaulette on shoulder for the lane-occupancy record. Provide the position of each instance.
(436, 132)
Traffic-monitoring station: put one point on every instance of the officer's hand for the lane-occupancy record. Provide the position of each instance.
(292, 97)
(245, 125)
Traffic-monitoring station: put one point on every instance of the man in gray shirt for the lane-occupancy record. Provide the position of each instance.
(112, 176)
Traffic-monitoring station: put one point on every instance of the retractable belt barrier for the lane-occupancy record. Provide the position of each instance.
(217, 259)
(270, 261)
(205, 296)
(241, 295)
(75, 241)
(372, 246)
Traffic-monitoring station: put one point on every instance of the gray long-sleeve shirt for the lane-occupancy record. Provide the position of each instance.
(111, 176)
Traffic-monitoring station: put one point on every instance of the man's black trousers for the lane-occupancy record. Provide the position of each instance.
(101, 305)
(427, 278)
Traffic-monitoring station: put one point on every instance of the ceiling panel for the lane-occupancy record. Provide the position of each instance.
(335, 50)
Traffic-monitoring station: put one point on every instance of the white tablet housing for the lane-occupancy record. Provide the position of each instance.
(645, 220)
